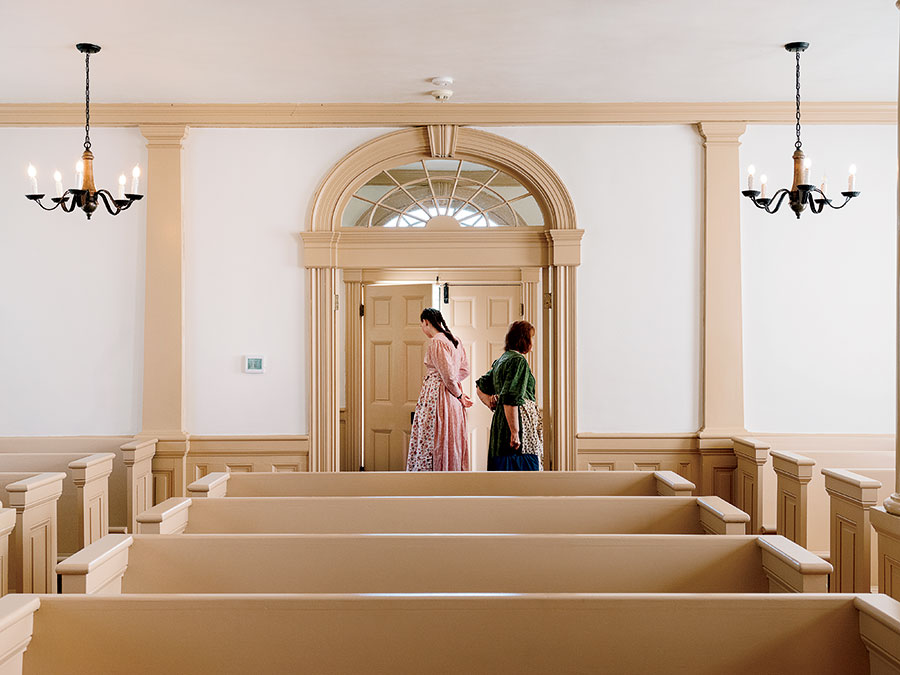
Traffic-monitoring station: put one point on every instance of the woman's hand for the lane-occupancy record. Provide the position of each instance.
(514, 441)
(466, 401)
(489, 401)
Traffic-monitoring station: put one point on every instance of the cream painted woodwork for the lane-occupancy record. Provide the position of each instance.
(394, 357)
(496, 483)
(293, 115)
(833, 634)
(892, 503)
(33, 552)
(556, 247)
(792, 503)
(723, 379)
(752, 456)
(854, 551)
(480, 316)
(7, 523)
(456, 514)
(84, 502)
(138, 458)
(404, 563)
(238, 454)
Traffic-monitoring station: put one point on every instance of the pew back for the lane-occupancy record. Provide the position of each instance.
(400, 563)
(514, 515)
(700, 634)
(304, 484)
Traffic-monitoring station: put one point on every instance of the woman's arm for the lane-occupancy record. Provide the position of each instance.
(442, 360)
(487, 399)
(512, 419)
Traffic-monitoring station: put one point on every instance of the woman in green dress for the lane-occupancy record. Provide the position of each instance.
(516, 442)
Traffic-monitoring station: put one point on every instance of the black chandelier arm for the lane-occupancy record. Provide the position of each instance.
(117, 205)
(818, 204)
(768, 204)
(37, 200)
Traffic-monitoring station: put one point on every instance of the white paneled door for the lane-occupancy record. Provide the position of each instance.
(480, 317)
(394, 370)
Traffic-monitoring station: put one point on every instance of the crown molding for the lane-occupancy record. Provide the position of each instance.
(287, 115)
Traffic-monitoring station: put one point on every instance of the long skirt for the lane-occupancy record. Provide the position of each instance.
(530, 456)
(437, 440)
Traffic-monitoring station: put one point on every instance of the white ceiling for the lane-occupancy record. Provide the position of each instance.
(317, 51)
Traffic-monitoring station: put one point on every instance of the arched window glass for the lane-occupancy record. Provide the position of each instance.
(412, 194)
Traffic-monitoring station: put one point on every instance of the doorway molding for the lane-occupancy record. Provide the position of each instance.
(554, 248)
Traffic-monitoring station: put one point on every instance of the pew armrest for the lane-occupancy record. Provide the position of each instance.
(97, 569)
(719, 517)
(16, 627)
(670, 484)
(879, 629)
(791, 465)
(791, 568)
(211, 485)
(170, 517)
(92, 467)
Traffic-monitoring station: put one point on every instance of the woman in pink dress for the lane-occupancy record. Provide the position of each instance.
(437, 440)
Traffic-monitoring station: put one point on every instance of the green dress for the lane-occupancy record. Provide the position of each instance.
(511, 380)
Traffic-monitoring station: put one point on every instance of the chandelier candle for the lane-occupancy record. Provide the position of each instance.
(751, 171)
(86, 196)
(802, 193)
(135, 178)
(32, 175)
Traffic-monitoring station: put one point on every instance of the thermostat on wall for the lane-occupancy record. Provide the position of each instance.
(253, 363)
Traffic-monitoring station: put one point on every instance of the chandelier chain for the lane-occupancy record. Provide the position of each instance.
(87, 101)
(798, 144)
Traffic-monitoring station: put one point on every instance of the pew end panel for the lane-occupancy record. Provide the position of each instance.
(751, 456)
(670, 484)
(138, 458)
(852, 496)
(7, 524)
(211, 485)
(97, 569)
(33, 556)
(91, 477)
(170, 517)
(794, 473)
(719, 517)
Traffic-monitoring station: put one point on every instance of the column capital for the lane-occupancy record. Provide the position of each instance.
(722, 132)
(164, 135)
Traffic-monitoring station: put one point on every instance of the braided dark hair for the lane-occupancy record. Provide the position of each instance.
(436, 319)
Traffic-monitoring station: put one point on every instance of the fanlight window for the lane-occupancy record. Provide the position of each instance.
(412, 194)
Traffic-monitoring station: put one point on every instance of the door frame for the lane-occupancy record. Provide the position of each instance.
(352, 429)
(327, 247)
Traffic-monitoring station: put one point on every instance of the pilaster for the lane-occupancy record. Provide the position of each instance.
(353, 294)
(324, 413)
(723, 380)
(163, 393)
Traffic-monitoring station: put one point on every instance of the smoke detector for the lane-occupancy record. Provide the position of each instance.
(442, 91)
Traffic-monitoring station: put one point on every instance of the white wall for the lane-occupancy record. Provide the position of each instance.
(637, 194)
(818, 306)
(247, 196)
(71, 291)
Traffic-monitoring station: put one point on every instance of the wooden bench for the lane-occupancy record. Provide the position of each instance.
(364, 563)
(514, 515)
(295, 484)
(703, 634)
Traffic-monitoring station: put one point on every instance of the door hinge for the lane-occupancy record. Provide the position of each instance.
(522, 309)
(337, 302)
(548, 301)
(362, 309)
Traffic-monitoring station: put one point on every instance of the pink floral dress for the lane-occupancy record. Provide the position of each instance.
(437, 440)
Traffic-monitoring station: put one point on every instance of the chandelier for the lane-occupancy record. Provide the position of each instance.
(802, 192)
(86, 196)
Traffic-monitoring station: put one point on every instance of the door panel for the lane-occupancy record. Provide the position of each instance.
(480, 316)
(394, 371)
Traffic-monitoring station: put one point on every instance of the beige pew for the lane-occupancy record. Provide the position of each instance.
(525, 483)
(854, 549)
(137, 457)
(84, 504)
(514, 515)
(32, 554)
(798, 478)
(624, 634)
(354, 563)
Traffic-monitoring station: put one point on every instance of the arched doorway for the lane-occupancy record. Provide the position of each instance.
(553, 249)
